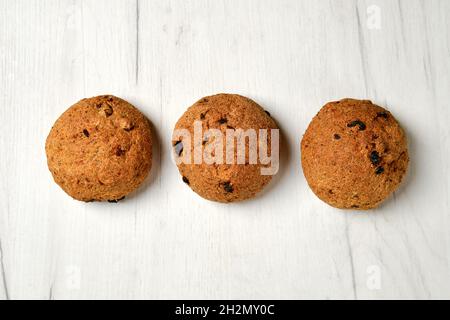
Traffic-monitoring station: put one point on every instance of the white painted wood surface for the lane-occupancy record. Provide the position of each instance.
(291, 56)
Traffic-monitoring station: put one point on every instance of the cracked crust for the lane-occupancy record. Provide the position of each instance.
(100, 149)
(354, 154)
(224, 182)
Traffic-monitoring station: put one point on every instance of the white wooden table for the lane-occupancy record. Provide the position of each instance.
(292, 56)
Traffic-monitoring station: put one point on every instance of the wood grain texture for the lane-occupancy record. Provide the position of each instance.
(292, 56)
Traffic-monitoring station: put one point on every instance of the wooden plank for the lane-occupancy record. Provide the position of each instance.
(292, 56)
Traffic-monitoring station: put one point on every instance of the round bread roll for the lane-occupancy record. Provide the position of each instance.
(354, 154)
(224, 182)
(100, 149)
